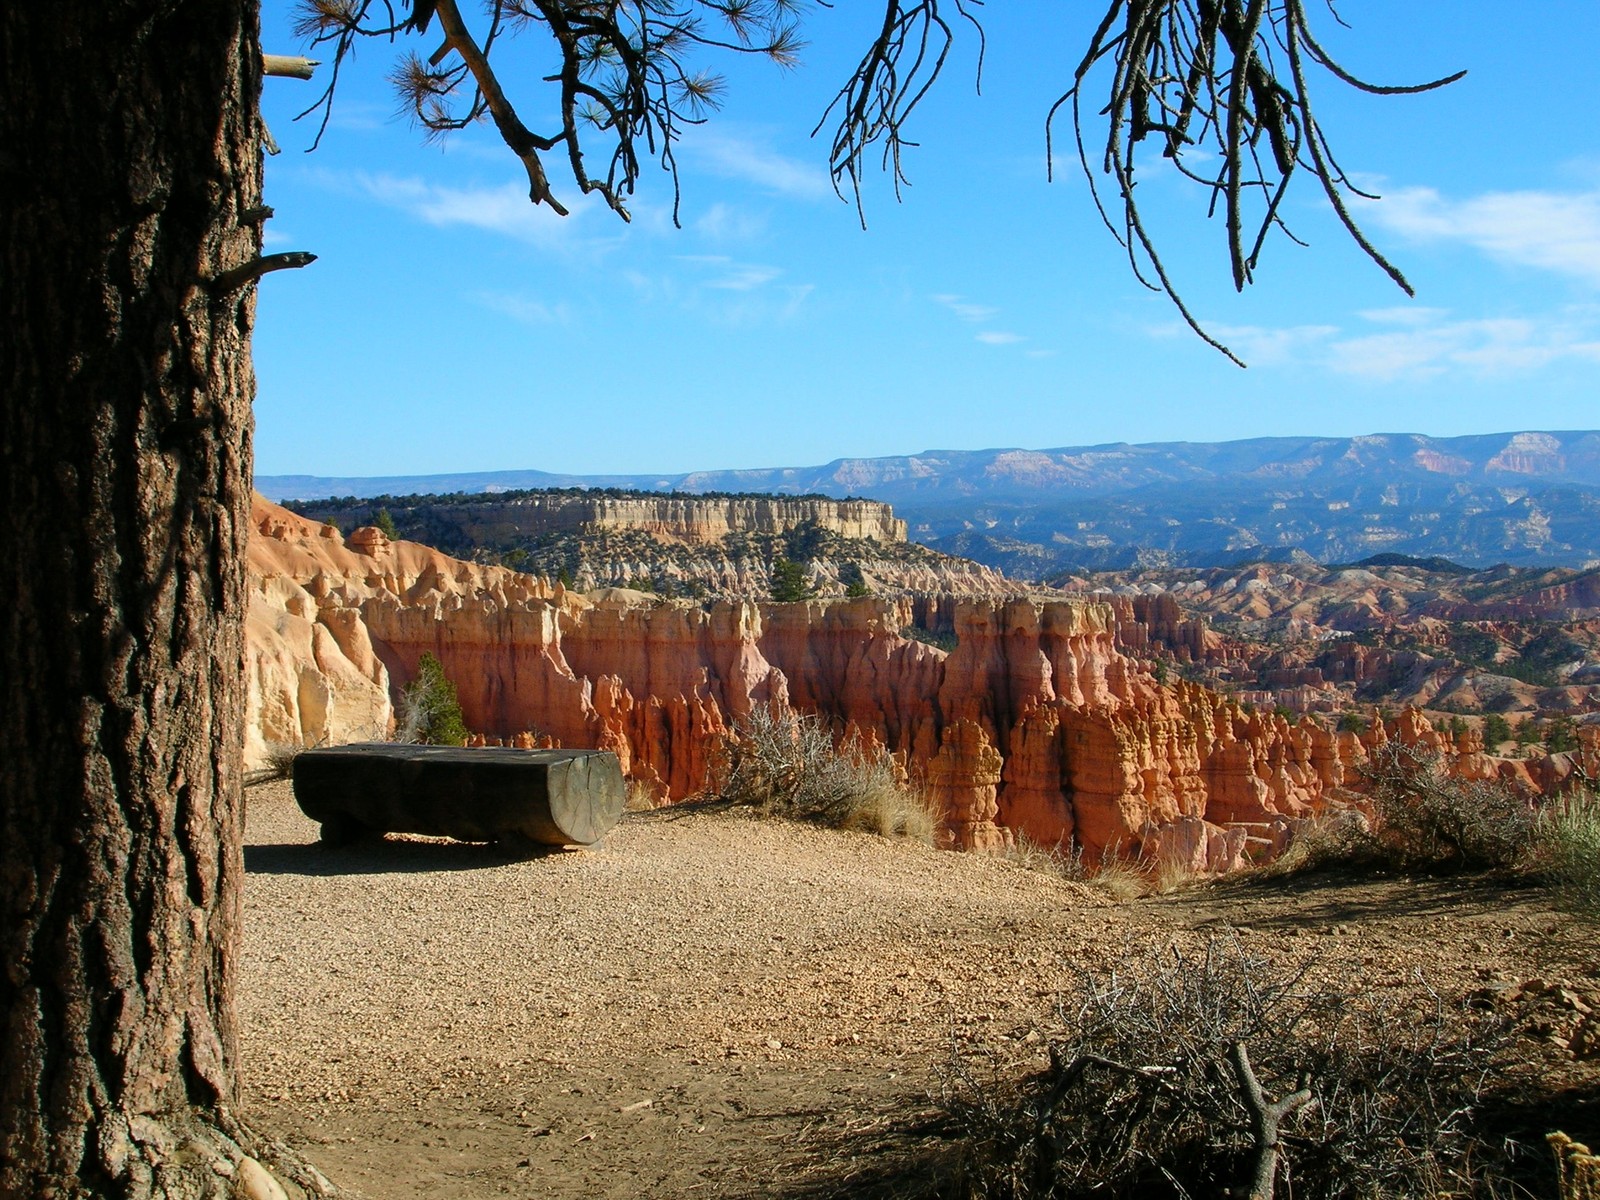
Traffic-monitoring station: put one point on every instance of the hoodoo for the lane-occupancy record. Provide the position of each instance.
(1037, 721)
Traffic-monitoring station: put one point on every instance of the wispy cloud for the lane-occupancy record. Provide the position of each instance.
(746, 159)
(964, 309)
(724, 290)
(1491, 346)
(1421, 343)
(727, 223)
(502, 209)
(1261, 346)
(997, 337)
(524, 309)
(1552, 231)
(729, 275)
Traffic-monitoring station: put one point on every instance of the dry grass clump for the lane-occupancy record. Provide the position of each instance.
(1338, 838)
(276, 763)
(639, 798)
(1566, 851)
(788, 766)
(895, 811)
(1222, 1073)
(1577, 1169)
(1119, 878)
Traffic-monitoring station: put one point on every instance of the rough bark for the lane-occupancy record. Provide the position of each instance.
(129, 163)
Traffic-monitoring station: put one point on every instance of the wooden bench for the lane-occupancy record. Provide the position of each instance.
(520, 798)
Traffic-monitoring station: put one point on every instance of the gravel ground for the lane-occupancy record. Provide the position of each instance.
(707, 1004)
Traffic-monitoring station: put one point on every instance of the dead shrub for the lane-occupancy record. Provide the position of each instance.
(788, 766)
(1220, 1073)
(1425, 819)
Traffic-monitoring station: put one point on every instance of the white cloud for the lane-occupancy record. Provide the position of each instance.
(740, 158)
(1493, 346)
(730, 275)
(1552, 231)
(1421, 343)
(503, 209)
(723, 290)
(965, 310)
(1264, 347)
(996, 337)
(276, 238)
(524, 309)
(745, 278)
(726, 223)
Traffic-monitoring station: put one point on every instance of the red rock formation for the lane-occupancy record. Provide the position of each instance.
(1036, 722)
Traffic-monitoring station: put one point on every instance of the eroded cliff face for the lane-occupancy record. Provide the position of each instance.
(1035, 723)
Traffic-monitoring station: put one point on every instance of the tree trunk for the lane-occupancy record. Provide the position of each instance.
(129, 166)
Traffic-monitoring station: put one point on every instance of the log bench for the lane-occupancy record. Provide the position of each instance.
(521, 798)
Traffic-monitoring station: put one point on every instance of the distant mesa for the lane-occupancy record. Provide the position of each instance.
(1523, 498)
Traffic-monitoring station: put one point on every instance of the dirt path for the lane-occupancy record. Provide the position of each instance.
(711, 1005)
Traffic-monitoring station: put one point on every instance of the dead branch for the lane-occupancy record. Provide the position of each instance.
(236, 278)
(1265, 1119)
(288, 66)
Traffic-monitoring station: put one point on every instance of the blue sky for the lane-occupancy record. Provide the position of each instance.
(448, 325)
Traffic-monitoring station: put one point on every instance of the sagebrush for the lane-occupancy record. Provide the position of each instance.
(788, 765)
(1427, 818)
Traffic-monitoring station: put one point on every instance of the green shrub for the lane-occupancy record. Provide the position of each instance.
(939, 641)
(1425, 819)
(788, 766)
(429, 710)
(1560, 735)
(1350, 722)
(855, 583)
(386, 523)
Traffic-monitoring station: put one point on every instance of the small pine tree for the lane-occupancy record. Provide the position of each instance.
(564, 577)
(1496, 731)
(855, 583)
(788, 581)
(1560, 735)
(386, 523)
(430, 708)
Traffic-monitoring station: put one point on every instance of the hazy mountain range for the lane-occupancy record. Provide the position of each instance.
(1529, 497)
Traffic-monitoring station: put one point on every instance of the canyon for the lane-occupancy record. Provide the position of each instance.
(1528, 498)
(1046, 720)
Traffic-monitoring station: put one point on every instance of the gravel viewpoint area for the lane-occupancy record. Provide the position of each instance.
(708, 1004)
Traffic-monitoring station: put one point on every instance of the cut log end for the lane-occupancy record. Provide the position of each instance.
(544, 797)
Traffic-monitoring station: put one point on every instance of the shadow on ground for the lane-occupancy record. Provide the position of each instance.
(901, 1155)
(384, 856)
(1327, 898)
